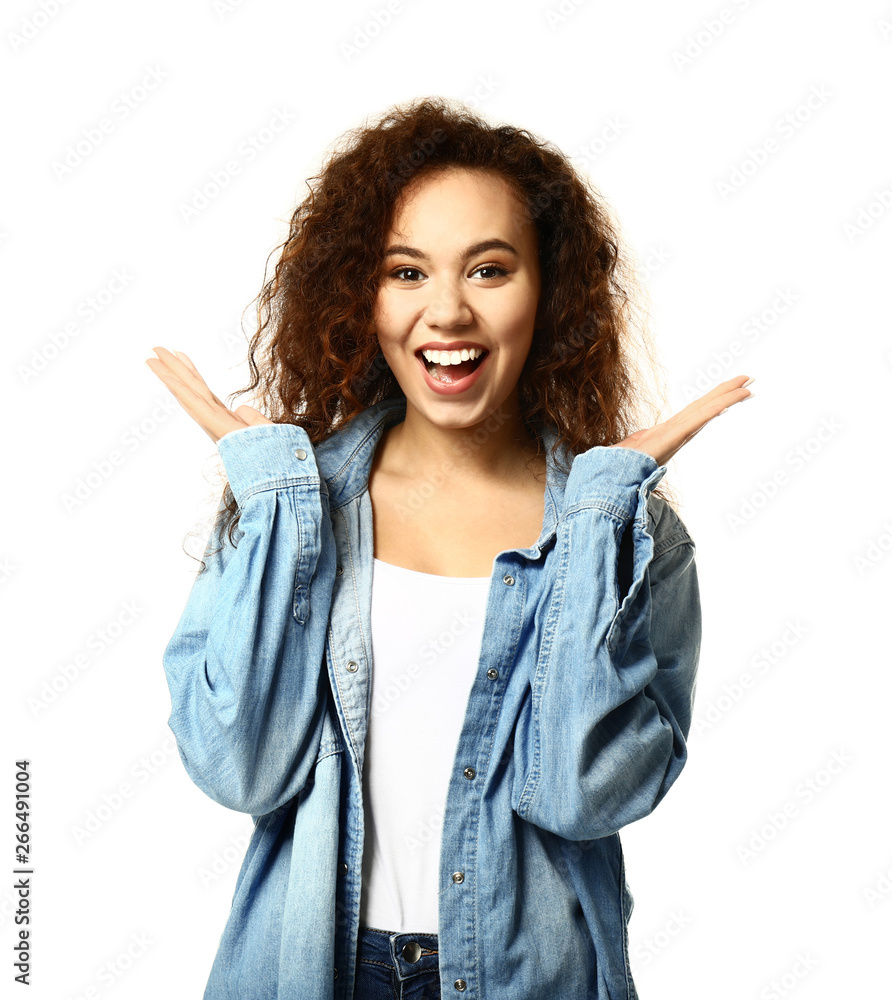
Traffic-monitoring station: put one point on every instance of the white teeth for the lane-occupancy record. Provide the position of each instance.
(452, 357)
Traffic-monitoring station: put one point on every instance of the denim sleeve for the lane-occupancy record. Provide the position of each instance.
(611, 702)
(245, 665)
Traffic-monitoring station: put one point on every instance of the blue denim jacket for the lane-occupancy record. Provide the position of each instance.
(575, 726)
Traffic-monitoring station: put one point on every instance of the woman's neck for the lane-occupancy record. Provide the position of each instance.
(496, 449)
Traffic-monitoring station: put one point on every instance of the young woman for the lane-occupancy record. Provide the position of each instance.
(445, 639)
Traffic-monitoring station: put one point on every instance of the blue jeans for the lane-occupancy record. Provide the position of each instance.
(392, 966)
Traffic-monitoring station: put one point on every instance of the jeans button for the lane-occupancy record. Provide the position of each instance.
(411, 951)
(461, 985)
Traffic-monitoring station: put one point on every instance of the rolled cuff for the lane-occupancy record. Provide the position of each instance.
(267, 456)
(614, 478)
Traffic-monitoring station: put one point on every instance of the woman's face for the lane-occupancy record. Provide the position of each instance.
(460, 273)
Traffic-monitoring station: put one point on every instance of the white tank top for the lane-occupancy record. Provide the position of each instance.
(427, 632)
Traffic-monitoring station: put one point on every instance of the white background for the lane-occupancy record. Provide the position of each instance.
(669, 108)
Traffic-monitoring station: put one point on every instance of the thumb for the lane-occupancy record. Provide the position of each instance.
(251, 416)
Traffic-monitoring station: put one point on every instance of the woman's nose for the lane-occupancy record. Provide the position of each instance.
(447, 307)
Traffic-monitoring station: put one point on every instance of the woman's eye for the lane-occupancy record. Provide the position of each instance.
(400, 272)
(499, 271)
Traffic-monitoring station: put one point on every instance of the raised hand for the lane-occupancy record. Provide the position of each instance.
(662, 441)
(178, 373)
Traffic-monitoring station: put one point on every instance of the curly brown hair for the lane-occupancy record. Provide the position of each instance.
(314, 358)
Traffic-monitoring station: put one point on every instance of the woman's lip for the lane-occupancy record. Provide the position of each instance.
(451, 388)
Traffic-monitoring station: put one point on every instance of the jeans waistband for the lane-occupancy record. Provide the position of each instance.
(410, 954)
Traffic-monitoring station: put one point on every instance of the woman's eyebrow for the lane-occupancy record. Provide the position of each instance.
(400, 250)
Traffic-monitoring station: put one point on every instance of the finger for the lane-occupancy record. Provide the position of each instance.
(725, 393)
(191, 400)
(723, 388)
(698, 413)
(194, 371)
(213, 418)
(252, 416)
(186, 374)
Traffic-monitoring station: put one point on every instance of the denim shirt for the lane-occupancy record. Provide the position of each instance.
(576, 722)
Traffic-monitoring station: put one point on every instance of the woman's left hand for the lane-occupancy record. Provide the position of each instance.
(664, 440)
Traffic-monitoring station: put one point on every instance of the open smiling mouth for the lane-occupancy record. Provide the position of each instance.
(449, 367)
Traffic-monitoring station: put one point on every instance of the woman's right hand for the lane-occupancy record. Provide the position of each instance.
(178, 373)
